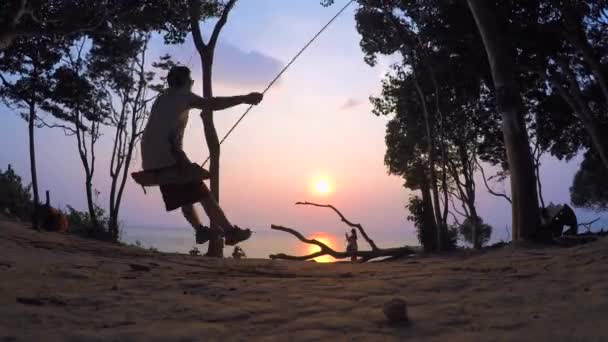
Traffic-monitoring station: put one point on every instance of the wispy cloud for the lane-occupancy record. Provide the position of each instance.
(351, 103)
(236, 67)
(232, 67)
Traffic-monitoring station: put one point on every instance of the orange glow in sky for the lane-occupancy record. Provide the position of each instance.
(322, 185)
(329, 240)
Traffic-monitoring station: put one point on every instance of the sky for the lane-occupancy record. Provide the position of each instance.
(316, 123)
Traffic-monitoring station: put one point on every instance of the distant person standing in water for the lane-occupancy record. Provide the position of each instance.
(351, 245)
(162, 148)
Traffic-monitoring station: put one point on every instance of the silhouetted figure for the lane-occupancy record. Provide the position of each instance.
(555, 217)
(162, 149)
(238, 253)
(351, 245)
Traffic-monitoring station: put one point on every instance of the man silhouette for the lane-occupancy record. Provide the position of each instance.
(162, 149)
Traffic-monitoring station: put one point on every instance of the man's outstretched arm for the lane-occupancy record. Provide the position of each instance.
(219, 103)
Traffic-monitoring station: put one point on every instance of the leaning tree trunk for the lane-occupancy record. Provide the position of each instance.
(526, 217)
(206, 52)
(31, 126)
(216, 245)
(428, 124)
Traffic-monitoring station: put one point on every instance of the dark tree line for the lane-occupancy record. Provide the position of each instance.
(85, 63)
(488, 83)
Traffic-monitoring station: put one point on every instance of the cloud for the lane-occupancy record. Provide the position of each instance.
(350, 104)
(233, 67)
(236, 67)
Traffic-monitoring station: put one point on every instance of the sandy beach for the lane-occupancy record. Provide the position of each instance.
(62, 288)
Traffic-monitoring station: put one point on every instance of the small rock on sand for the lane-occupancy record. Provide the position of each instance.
(395, 311)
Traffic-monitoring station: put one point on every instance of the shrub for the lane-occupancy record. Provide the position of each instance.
(466, 231)
(426, 237)
(81, 224)
(15, 198)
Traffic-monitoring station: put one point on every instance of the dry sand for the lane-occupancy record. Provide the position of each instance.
(57, 287)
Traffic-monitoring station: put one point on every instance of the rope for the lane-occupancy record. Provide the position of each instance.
(283, 71)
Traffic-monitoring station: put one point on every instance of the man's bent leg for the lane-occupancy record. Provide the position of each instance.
(213, 209)
(191, 216)
(233, 234)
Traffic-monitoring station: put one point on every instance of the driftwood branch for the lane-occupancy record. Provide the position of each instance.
(326, 250)
(345, 220)
(587, 225)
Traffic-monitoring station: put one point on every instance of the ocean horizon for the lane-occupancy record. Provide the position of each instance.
(262, 243)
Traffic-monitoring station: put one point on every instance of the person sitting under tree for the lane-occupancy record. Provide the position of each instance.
(351, 245)
(162, 150)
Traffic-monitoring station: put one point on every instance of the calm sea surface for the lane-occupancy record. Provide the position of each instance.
(261, 244)
(181, 240)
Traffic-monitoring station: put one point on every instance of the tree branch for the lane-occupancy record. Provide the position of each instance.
(485, 182)
(220, 24)
(326, 250)
(345, 220)
(197, 36)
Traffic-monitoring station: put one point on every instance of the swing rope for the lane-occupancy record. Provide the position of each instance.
(283, 71)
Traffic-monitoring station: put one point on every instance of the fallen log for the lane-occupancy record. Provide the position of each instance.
(363, 256)
(326, 250)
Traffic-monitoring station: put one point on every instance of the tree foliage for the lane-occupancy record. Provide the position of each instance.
(25, 19)
(15, 197)
(590, 185)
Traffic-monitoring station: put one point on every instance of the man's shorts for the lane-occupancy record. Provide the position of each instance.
(178, 195)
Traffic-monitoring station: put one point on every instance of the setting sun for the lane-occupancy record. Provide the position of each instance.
(322, 186)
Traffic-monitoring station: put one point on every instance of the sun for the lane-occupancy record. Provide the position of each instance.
(322, 186)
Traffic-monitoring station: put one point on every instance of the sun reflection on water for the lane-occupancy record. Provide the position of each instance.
(325, 238)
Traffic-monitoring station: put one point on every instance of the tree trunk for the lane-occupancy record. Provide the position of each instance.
(216, 245)
(468, 171)
(206, 52)
(537, 156)
(526, 219)
(83, 152)
(90, 200)
(31, 126)
(441, 230)
(429, 223)
(476, 231)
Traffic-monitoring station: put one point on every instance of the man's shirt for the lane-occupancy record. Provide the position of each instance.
(164, 131)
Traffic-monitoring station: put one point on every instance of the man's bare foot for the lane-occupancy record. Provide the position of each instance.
(236, 235)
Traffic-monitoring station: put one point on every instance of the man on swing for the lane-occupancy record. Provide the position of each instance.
(161, 150)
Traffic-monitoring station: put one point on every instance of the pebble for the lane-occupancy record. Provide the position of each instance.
(395, 311)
